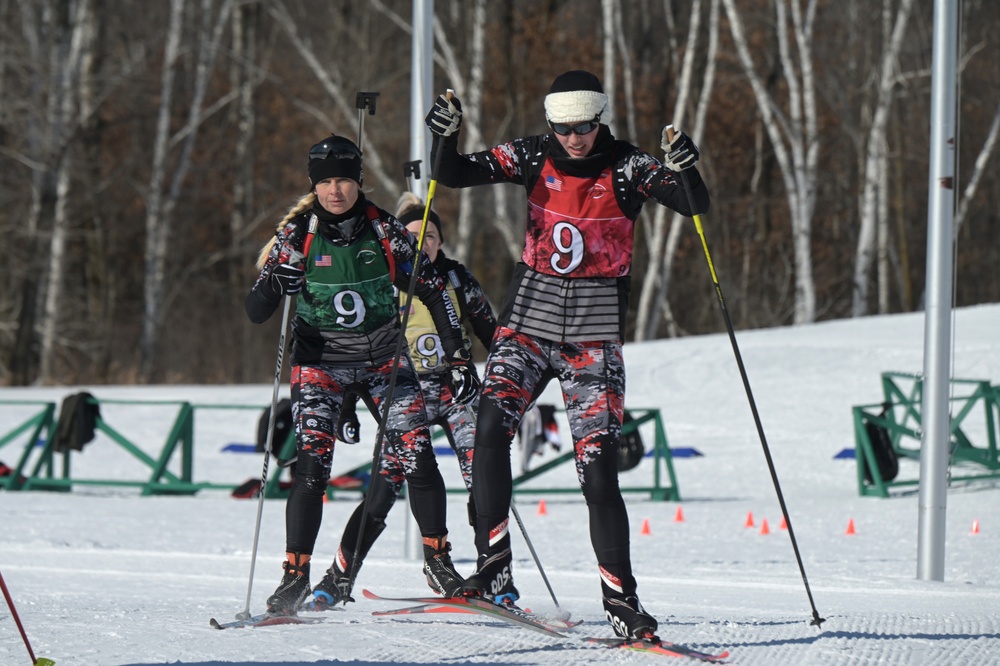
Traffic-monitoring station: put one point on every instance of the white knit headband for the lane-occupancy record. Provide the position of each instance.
(577, 106)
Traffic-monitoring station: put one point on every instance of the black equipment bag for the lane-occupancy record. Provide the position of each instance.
(282, 426)
(630, 449)
(77, 423)
(885, 456)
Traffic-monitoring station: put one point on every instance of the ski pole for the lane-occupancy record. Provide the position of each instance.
(817, 620)
(391, 388)
(20, 627)
(296, 259)
(364, 100)
(538, 562)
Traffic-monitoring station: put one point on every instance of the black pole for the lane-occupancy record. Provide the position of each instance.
(817, 620)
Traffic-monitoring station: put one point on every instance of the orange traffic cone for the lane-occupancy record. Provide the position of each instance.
(749, 522)
(784, 524)
(542, 511)
(764, 528)
(679, 516)
(975, 526)
(850, 527)
(645, 531)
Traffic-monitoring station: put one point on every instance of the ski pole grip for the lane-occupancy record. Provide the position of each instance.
(670, 133)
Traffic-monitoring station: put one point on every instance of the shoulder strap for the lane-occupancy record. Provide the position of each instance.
(453, 276)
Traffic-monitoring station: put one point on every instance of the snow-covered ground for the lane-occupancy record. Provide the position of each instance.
(103, 576)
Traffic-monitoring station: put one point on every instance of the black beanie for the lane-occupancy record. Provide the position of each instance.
(577, 79)
(416, 214)
(335, 157)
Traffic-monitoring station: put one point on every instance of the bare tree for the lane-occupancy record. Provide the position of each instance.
(469, 88)
(653, 303)
(163, 197)
(792, 128)
(374, 164)
(80, 31)
(874, 170)
(979, 170)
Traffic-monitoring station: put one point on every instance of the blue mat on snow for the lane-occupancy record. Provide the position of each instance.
(683, 452)
(237, 447)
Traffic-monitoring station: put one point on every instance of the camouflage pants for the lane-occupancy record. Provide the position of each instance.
(459, 425)
(406, 454)
(591, 376)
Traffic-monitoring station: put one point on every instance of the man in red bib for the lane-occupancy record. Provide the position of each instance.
(564, 314)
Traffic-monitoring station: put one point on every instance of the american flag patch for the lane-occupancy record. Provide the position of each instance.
(324, 260)
(553, 183)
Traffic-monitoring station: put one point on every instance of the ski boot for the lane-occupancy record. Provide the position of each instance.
(293, 588)
(438, 568)
(621, 605)
(494, 577)
(332, 590)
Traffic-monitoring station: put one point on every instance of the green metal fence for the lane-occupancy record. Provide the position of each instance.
(975, 408)
(39, 426)
(664, 480)
(41, 467)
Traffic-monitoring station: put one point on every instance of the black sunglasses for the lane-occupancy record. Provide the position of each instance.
(324, 150)
(564, 129)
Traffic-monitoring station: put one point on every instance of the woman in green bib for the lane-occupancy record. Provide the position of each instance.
(458, 421)
(343, 255)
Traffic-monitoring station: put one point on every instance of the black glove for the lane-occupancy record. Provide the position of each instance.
(287, 279)
(681, 153)
(464, 381)
(445, 117)
(348, 427)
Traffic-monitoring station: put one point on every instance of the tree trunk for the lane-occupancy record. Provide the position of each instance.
(208, 40)
(246, 20)
(374, 164)
(867, 240)
(156, 223)
(76, 31)
(653, 297)
(977, 173)
(793, 132)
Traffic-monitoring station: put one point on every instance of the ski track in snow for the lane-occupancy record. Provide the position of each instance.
(107, 578)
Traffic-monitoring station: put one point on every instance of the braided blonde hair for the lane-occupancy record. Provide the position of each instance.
(301, 205)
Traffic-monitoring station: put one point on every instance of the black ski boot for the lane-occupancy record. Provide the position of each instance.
(293, 589)
(335, 586)
(621, 605)
(494, 578)
(441, 574)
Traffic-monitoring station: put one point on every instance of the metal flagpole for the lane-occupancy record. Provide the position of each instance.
(421, 97)
(937, 309)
